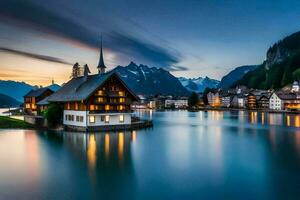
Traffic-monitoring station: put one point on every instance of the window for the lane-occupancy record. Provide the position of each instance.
(100, 99)
(92, 119)
(121, 118)
(66, 117)
(121, 93)
(76, 106)
(121, 107)
(92, 107)
(106, 118)
(102, 118)
(27, 105)
(77, 118)
(100, 92)
(122, 100)
(81, 118)
(106, 107)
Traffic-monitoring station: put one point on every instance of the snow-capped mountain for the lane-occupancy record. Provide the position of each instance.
(198, 84)
(150, 80)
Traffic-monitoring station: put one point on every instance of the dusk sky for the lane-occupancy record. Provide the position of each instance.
(42, 39)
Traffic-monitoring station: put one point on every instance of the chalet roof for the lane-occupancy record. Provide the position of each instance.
(287, 96)
(37, 92)
(43, 102)
(81, 88)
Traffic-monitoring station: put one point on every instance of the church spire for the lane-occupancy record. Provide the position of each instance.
(101, 66)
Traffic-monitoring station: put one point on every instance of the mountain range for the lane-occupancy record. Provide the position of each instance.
(7, 101)
(150, 80)
(281, 67)
(198, 84)
(229, 79)
(13, 92)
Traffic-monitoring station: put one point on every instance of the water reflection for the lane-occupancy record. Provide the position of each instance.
(187, 156)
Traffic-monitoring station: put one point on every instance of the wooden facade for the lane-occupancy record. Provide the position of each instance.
(111, 97)
(33, 97)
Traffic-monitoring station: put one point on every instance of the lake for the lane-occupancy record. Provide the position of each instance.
(186, 155)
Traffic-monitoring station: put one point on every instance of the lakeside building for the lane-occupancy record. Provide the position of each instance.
(176, 103)
(251, 101)
(275, 102)
(226, 101)
(263, 102)
(93, 101)
(213, 99)
(33, 97)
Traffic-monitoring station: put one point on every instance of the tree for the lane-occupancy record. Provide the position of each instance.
(75, 71)
(193, 100)
(53, 114)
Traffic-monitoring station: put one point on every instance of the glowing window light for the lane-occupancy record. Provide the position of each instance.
(92, 119)
(121, 118)
(106, 118)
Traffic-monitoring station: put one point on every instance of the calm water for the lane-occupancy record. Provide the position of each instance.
(203, 155)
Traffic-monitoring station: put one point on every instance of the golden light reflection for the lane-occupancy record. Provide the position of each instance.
(297, 120)
(91, 151)
(262, 118)
(253, 117)
(33, 157)
(121, 141)
(133, 136)
(288, 120)
(217, 115)
(106, 145)
(297, 141)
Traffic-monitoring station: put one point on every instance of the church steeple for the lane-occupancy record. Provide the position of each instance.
(101, 66)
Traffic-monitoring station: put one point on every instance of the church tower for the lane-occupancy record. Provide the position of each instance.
(101, 66)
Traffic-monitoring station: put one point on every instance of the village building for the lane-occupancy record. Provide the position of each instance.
(251, 101)
(32, 98)
(241, 100)
(91, 102)
(226, 100)
(263, 102)
(176, 103)
(295, 86)
(275, 102)
(213, 99)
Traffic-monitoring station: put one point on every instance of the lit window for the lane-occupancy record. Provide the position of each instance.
(106, 107)
(121, 118)
(68, 106)
(122, 100)
(121, 93)
(92, 119)
(92, 107)
(27, 105)
(76, 106)
(121, 107)
(100, 99)
(100, 92)
(106, 118)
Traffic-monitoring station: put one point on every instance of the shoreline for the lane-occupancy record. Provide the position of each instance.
(249, 110)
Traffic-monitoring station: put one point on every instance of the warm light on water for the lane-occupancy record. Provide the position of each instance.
(186, 155)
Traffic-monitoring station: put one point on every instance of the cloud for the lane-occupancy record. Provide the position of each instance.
(29, 14)
(144, 50)
(35, 56)
(178, 68)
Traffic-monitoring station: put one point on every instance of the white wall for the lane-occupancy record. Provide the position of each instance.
(114, 119)
(75, 113)
(275, 103)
